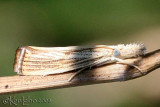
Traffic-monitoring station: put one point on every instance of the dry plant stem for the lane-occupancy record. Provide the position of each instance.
(104, 74)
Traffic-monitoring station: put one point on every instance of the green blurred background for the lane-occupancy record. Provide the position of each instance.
(83, 22)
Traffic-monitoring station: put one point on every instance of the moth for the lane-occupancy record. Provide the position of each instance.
(32, 60)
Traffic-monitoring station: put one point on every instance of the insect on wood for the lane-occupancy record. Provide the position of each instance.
(31, 60)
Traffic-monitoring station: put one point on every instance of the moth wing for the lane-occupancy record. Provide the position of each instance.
(45, 61)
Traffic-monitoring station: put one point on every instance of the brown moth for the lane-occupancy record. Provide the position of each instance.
(31, 60)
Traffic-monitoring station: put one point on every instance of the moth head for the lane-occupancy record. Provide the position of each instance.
(129, 50)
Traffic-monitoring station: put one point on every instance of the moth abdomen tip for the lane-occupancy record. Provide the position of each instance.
(20, 52)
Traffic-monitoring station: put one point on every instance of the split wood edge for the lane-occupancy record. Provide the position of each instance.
(104, 74)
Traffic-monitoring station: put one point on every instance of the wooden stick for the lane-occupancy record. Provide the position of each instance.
(104, 74)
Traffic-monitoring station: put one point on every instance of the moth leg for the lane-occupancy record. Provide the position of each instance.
(122, 61)
(76, 73)
(99, 62)
(102, 61)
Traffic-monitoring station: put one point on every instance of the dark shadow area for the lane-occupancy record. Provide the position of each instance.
(151, 53)
(83, 59)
